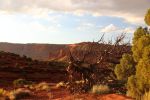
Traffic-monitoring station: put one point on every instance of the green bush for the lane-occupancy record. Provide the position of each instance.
(147, 17)
(126, 67)
(21, 82)
(57, 65)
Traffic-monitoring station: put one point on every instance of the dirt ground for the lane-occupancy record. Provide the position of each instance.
(63, 94)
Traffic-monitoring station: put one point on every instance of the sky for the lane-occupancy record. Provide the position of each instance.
(69, 21)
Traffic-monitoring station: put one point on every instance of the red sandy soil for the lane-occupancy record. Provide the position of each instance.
(9, 71)
(63, 94)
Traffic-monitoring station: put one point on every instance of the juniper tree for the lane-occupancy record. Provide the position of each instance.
(139, 83)
(147, 17)
(126, 67)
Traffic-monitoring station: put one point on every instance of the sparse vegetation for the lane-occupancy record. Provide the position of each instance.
(81, 68)
(126, 67)
(100, 89)
(61, 65)
(43, 86)
(147, 17)
(21, 82)
(2, 92)
(16, 94)
(19, 94)
(61, 84)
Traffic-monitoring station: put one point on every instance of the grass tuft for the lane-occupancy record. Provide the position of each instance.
(100, 89)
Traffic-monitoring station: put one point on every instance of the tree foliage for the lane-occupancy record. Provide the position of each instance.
(132, 91)
(126, 67)
(139, 83)
(140, 40)
(141, 54)
(147, 17)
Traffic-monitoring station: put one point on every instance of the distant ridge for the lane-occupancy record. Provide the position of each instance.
(33, 50)
(47, 52)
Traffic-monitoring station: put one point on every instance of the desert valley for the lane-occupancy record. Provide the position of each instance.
(74, 50)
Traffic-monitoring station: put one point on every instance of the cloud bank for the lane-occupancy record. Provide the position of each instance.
(132, 11)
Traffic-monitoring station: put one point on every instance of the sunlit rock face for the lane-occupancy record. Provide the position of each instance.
(57, 51)
(35, 51)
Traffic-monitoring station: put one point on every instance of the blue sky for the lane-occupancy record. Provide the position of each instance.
(70, 21)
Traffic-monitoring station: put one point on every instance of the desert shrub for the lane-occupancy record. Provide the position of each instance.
(60, 65)
(60, 84)
(19, 94)
(100, 89)
(126, 67)
(30, 86)
(21, 82)
(24, 56)
(3, 92)
(29, 59)
(79, 82)
(43, 86)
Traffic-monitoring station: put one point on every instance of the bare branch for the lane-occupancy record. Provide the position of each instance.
(71, 57)
(101, 39)
(119, 39)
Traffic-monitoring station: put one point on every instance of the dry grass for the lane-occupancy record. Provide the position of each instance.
(43, 86)
(2, 92)
(61, 84)
(100, 89)
(19, 93)
(21, 82)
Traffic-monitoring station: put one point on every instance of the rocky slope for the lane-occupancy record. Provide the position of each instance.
(35, 51)
(13, 66)
(60, 52)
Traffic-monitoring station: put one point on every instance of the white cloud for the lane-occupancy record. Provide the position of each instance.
(11, 24)
(13, 29)
(109, 28)
(128, 30)
(114, 29)
(132, 11)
